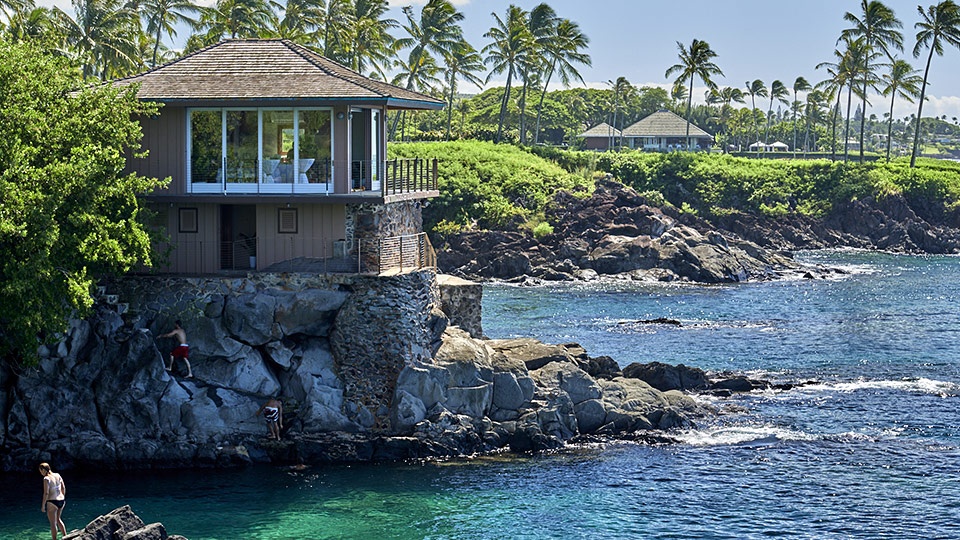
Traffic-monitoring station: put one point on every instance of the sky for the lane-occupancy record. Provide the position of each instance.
(754, 39)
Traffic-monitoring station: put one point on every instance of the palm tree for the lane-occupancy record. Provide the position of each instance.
(902, 80)
(542, 23)
(301, 20)
(697, 61)
(512, 42)
(561, 52)
(755, 88)
(812, 112)
(163, 16)
(102, 36)
(30, 25)
(877, 26)
(14, 8)
(337, 21)
(939, 24)
(799, 85)
(778, 92)
(464, 61)
(437, 32)
(621, 90)
(371, 43)
(236, 19)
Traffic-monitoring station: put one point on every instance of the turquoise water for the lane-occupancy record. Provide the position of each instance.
(870, 449)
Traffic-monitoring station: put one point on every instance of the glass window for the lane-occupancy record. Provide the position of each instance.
(242, 154)
(261, 145)
(315, 134)
(206, 146)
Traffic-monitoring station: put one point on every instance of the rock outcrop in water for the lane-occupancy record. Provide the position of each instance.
(367, 369)
(122, 524)
(617, 233)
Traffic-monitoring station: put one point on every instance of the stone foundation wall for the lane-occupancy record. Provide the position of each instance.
(462, 303)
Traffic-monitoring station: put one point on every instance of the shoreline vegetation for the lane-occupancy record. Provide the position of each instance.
(510, 213)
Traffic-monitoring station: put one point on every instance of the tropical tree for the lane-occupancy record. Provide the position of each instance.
(542, 23)
(14, 8)
(754, 89)
(236, 19)
(939, 24)
(779, 93)
(162, 17)
(34, 24)
(799, 85)
(697, 61)
(372, 46)
(622, 90)
(877, 27)
(462, 62)
(903, 81)
(301, 19)
(812, 113)
(512, 42)
(561, 52)
(102, 37)
(337, 21)
(68, 213)
(436, 32)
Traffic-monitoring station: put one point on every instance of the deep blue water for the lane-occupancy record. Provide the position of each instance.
(870, 450)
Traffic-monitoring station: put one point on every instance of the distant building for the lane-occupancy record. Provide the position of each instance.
(664, 131)
(600, 137)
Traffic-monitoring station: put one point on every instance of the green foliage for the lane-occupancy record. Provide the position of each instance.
(542, 229)
(715, 184)
(68, 213)
(494, 186)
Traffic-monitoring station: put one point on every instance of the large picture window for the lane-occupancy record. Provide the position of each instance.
(260, 150)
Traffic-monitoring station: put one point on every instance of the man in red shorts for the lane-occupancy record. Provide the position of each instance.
(181, 351)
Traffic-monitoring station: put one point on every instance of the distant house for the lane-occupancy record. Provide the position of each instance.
(600, 137)
(664, 131)
(276, 153)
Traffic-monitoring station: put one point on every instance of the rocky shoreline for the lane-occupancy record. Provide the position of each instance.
(619, 234)
(368, 368)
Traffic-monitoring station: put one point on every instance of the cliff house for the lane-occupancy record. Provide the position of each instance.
(278, 158)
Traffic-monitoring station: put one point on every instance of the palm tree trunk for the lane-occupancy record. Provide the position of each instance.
(523, 109)
(794, 123)
(863, 117)
(689, 103)
(923, 91)
(890, 122)
(806, 138)
(503, 105)
(833, 146)
(156, 45)
(846, 129)
(453, 89)
(536, 133)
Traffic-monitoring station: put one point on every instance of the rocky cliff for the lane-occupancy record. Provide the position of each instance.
(367, 368)
(618, 233)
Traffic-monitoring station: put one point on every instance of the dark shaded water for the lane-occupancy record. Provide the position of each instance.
(871, 450)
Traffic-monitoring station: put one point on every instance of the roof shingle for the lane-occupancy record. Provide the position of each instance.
(263, 70)
(663, 124)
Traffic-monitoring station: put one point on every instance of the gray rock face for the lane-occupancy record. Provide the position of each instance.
(121, 524)
(367, 368)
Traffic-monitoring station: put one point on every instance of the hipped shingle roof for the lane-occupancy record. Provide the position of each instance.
(601, 130)
(663, 124)
(267, 70)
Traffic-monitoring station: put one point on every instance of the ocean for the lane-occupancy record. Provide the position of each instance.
(865, 445)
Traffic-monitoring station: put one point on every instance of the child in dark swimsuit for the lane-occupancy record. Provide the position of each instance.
(273, 413)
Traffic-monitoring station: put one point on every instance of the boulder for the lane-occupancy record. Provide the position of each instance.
(665, 377)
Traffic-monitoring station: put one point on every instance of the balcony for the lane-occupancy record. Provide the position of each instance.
(387, 178)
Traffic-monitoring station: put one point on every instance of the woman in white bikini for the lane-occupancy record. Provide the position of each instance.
(54, 497)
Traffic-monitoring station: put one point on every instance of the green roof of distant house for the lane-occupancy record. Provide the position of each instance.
(256, 70)
(663, 124)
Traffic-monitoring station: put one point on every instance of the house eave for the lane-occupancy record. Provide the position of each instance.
(332, 198)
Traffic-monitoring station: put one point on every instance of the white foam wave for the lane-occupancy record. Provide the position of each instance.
(919, 385)
(742, 436)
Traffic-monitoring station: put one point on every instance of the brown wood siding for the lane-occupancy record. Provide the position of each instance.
(164, 137)
(318, 227)
(189, 252)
